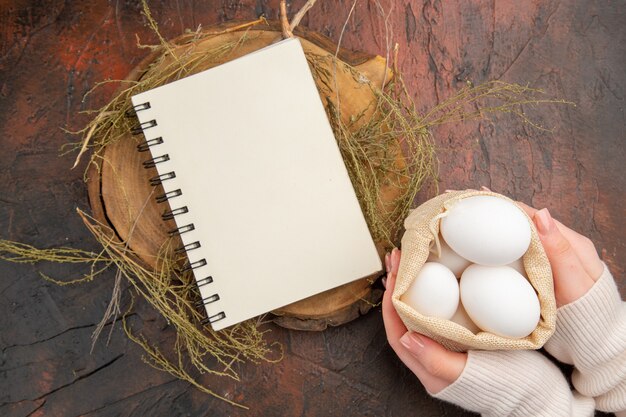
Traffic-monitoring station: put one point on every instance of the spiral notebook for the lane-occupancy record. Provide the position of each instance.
(256, 184)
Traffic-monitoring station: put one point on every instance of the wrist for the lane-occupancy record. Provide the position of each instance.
(574, 289)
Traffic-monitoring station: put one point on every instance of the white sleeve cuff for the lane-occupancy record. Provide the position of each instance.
(514, 383)
(591, 335)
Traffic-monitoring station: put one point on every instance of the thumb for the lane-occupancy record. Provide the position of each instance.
(571, 281)
(435, 366)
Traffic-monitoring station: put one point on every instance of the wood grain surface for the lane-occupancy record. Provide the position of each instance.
(53, 52)
(121, 197)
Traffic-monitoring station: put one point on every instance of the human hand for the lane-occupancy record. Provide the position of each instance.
(589, 333)
(575, 263)
(435, 366)
(491, 382)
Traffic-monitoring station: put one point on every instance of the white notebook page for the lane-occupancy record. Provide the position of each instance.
(262, 176)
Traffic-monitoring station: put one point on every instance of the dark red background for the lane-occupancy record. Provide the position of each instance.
(53, 52)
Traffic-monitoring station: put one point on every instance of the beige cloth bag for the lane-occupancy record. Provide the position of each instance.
(422, 228)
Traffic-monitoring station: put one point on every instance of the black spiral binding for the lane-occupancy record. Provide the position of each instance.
(208, 300)
(188, 247)
(139, 107)
(182, 229)
(216, 317)
(143, 126)
(146, 145)
(168, 195)
(194, 265)
(154, 181)
(169, 215)
(151, 163)
(204, 281)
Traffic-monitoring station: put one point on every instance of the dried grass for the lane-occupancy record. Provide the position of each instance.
(390, 148)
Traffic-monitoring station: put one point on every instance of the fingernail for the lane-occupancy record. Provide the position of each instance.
(544, 221)
(387, 262)
(417, 339)
(384, 282)
(485, 188)
(411, 341)
(394, 258)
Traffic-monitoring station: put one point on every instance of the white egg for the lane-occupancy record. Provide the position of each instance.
(499, 300)
(449, 258)
(434, 292)
(487, 230)
(518, 265)
(461, 317)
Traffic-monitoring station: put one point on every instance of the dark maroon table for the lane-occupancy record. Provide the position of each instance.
(52, 52)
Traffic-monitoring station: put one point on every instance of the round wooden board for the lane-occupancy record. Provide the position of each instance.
(121, 196)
